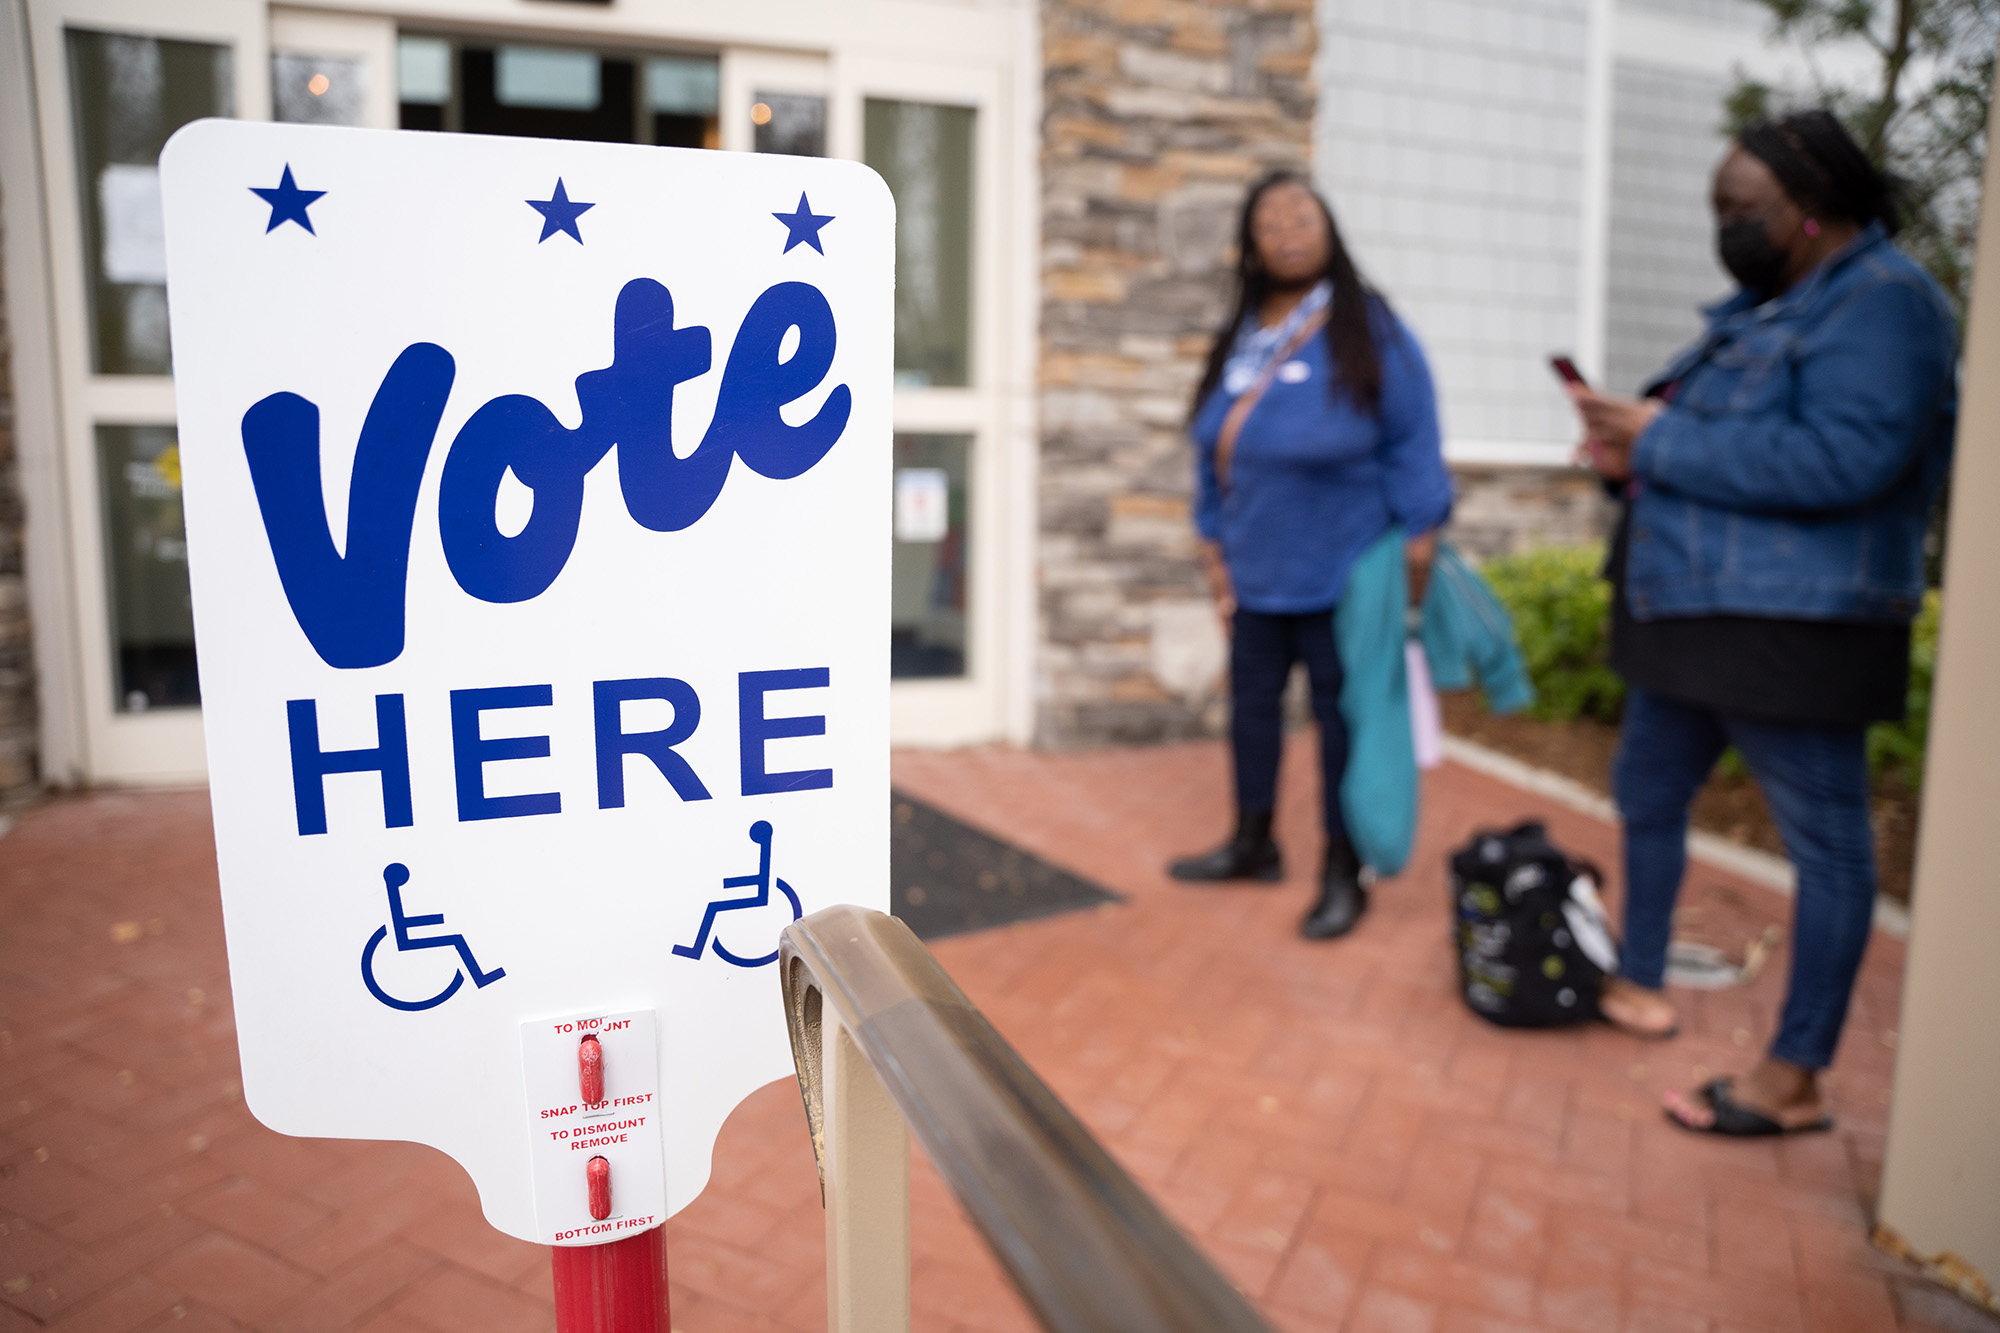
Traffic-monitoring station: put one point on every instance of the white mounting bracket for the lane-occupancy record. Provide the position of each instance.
(565, 1132)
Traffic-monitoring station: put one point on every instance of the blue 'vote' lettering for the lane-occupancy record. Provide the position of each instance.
(351, 606)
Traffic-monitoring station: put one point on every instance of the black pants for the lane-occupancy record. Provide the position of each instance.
(1261, 653)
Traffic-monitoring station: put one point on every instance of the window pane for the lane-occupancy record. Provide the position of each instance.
(423, 70)
(128, 95)
(423, 82)
(318, 90)
(925, 153)
(683, 85)
(928, 572)
(544, 93)
(682, 96)
(145, 558)
(792, 123)
(547, 77)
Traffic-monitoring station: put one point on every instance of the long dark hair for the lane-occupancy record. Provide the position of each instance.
(1824, 170)
(1352, 318)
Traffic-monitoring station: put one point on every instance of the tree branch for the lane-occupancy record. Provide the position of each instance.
(1893, 60)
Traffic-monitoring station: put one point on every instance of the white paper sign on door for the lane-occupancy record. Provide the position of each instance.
(538, 516)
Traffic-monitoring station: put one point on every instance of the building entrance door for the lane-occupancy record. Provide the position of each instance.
(111, 80)
(114, 80)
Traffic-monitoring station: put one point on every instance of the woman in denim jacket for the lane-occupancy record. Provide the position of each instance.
(1779, 476)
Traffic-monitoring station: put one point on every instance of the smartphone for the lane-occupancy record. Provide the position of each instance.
(1566, 369)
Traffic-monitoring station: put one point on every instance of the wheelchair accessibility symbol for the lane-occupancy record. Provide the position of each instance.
(760, 833)
(395, 876)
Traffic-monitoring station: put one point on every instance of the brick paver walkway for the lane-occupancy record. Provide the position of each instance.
(1327, 1120)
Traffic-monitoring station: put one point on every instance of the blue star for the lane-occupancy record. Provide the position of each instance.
(803, 226)
(288, 203)
(559, 214)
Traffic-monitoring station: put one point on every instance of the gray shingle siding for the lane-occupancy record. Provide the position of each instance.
(1666, 138)
(1450, 140)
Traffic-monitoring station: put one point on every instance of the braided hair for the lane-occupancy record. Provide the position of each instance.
(1353, 316)
(1824, 171)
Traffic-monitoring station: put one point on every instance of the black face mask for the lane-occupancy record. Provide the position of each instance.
(1746, 250)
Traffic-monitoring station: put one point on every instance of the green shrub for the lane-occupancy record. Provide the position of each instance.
(1561, 609)
(1898, 747)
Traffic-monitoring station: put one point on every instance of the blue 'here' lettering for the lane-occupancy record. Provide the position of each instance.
(473, 752)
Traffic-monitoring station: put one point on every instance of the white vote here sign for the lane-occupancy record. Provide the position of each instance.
(538, 509)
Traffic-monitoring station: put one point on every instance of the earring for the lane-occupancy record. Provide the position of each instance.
(1812, 227)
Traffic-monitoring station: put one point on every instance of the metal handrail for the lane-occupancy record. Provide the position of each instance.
(1086, 1247)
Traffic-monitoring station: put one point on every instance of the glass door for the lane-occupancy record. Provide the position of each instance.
(114, 80)
(961, 650)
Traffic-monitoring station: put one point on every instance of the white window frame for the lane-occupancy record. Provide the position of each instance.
(747, 71)
(366, 36)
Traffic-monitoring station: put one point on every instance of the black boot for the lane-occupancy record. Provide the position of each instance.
(1343, 898)
(1251, 854)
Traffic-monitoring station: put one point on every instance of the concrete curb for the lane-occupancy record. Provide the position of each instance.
(1759, 867)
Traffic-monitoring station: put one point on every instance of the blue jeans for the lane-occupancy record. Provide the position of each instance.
(1262, 649)
(1816, 781)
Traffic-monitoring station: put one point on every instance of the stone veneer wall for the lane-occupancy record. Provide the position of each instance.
(17, 671)
(1158, 114)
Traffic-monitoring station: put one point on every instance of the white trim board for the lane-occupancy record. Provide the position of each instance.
(1668, 41)
(38, 408)
(1514, 453)
(1593, 259)
(1759, 867)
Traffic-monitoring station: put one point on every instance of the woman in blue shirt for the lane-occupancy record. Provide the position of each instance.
(1779, 477)
(1315, 431)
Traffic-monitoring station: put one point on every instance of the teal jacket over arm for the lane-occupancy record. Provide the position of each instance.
(1466, 632)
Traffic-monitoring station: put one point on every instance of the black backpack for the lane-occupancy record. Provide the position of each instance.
(1534, 942)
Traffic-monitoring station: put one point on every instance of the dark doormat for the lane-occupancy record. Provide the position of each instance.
(947, 878)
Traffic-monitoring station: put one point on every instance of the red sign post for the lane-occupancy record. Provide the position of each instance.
(618, 1287)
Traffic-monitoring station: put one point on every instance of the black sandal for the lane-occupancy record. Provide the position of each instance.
(1735, 1120)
